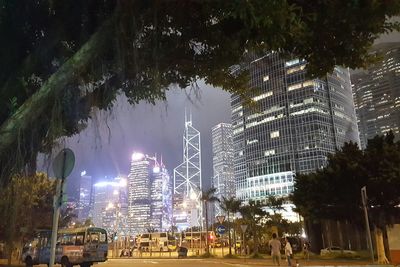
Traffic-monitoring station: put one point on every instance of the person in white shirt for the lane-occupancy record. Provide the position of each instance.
(275, 246)
(288, 251)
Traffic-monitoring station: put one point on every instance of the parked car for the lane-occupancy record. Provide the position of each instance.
(334, 250)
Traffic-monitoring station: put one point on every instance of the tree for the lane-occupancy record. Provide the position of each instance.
(206, 198)
(253, 214)
(334, 192)
(67, 217)
(276, 203)
(25, 205)
(66, 58)
(230, 205)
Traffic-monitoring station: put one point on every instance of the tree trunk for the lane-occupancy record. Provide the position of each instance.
(255, 238)
(314, 234)
(386, 243)
(380, 248)
(207, 250)
(339, 229)
(229, 236)
(32, 109)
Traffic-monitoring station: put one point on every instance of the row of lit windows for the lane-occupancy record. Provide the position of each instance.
(281, 190)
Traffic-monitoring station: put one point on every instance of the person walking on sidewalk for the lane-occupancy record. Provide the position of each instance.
(275, 246)
(288, 251)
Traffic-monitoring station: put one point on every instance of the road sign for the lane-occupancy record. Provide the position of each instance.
(221, 219)
(63, 163)
(221, 229)
(243, 227)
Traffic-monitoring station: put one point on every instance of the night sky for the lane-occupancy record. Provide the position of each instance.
(105, 146)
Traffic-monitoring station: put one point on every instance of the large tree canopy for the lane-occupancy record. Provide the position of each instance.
(59, 59)
(335, 191)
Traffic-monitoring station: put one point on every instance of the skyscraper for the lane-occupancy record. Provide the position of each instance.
(85, 196)
(187, 207)
(161, 197)
(297, 122)
(377, 94)
(223, 177)
(139, 194)
(149, 195)
(108, 206)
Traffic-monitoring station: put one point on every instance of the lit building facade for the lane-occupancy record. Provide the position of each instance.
(377, 94)
(85, 196)
(187, 206)
(139, 194)
(161, 198)
(149, 195)
(297, 123)
(223, 177)
(108, 206)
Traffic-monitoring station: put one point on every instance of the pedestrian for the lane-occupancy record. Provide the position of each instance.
(305, 251)
(140, 251)
(288, 251)
(275, 246)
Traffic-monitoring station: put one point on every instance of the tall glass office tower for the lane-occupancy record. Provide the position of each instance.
(297, 122)
(139, 194)
(222, 148)
(85, 196)
(187, 206)
(161, 198)
(377, 94)
(149, 195)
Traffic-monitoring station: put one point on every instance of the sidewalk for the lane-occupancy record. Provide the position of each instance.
(3, 262)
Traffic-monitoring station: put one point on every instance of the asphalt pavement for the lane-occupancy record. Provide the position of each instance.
(211, 262)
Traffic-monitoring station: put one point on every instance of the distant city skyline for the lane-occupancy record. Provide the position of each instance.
(376, 93)
(104, 147)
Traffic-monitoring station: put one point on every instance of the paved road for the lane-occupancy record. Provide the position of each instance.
(222, 263)
(169, 263)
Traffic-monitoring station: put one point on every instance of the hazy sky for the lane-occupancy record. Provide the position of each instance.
(104, 148)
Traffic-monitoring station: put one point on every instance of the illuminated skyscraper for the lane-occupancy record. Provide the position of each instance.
(85, 196)
(224, 178)
(187, 181)
(149, 195)
(299, 122)
(377, 94)
(109, 203)
(139, 194)
(161, 197)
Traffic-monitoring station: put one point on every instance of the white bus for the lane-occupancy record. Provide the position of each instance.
(76, 246)
(158, 241)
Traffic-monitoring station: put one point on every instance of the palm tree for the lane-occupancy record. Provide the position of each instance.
(253, 214)
(230, 205)
(207, 197)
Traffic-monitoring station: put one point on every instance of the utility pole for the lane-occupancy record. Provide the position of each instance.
(63, 164)
(364, 200)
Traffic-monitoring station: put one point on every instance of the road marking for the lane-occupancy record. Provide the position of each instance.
(228, 263)
(150, 261)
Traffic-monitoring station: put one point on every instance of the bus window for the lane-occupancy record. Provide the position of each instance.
(94, 237)
(68, 239)
(79, 239)
(145, 236)
(163, 234)
(97, 237)
(103, 237)
(44, 242)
